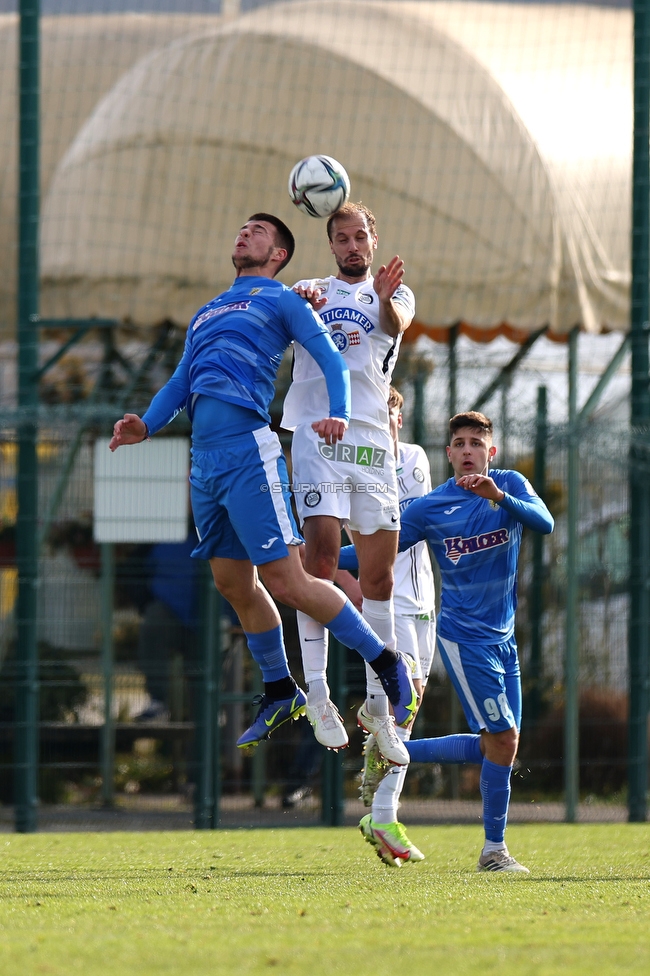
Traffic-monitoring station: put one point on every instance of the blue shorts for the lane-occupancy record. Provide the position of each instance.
(241, 501)
(487, 680)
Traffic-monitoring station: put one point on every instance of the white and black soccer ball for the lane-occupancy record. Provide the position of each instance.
(319, 185)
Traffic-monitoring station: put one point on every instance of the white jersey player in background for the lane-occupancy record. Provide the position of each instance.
(415, 629)
(352, 483)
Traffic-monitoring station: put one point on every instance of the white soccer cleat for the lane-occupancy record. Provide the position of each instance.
(328, 725)
(500, 861)
(389, 743)
(374, 769)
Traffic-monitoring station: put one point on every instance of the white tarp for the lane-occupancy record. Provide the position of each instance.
(493, 141)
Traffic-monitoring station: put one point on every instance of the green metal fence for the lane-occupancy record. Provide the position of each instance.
(138, 148)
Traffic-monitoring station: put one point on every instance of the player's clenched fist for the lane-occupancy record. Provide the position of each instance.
(130, 430)
(331, 429)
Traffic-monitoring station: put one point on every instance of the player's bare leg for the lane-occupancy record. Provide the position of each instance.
(238, 581)
(289, 583)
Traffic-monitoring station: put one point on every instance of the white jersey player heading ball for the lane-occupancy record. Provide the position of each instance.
(352, 483)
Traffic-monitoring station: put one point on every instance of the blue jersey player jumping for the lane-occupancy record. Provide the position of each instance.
(239, 482)
(474, 524)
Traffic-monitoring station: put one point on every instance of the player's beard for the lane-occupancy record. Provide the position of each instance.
(355, 270)
(247, 261)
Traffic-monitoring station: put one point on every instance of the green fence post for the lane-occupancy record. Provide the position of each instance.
(333, 798)
(26, 720)
(639, 467)
(258, 763)
(217, 656)
(204, 796)
(571, 732)
(536, 602)
(107, 760)
(454, 711)
(419, 423)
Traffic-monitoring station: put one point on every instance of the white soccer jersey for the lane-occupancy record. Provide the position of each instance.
(352, 317)
(413, 592)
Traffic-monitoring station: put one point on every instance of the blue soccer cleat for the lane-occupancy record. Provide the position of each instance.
(397, 682)
(271, 715)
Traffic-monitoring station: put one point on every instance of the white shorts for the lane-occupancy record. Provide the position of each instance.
(416, 636)
(354, 480)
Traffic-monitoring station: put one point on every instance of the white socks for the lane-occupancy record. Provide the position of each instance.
(386, 799)
(379, 615)
(494, 845)
(313, 647)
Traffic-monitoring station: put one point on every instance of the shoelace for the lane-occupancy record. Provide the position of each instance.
(330, 716)
(388, 725)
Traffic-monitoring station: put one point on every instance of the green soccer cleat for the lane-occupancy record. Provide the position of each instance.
(391, 844)
(374, 769)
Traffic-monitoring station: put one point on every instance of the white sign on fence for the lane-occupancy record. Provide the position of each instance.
(142, 491)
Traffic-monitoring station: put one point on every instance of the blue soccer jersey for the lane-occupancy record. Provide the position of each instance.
(476, 543)
(234, 347)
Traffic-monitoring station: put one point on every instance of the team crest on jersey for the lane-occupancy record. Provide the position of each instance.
(456, 546)
(418, 475)
(365, 298)
(312, 498)
(213, 312)
(337, 316)
(343, 340)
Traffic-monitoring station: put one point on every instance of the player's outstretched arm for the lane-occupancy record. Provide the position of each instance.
(130, 430)
(394, 317)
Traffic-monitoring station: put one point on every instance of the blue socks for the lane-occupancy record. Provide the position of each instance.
(349, 627)
(495, 780)
(460, 748)
(495, 790)
(268, 651)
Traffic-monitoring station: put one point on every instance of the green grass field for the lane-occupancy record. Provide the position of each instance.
(318, 901)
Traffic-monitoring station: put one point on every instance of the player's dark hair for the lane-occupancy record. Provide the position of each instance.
(350, 210)
(283, 236)
(473, 419)
(395, 398)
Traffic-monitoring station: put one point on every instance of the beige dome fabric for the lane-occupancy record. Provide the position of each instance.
(493, 142)
(81, 60)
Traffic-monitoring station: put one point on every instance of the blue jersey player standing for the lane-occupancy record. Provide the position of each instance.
(474, 524)
(239, 482)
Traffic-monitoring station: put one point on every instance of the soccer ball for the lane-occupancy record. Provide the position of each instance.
(319, 186)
